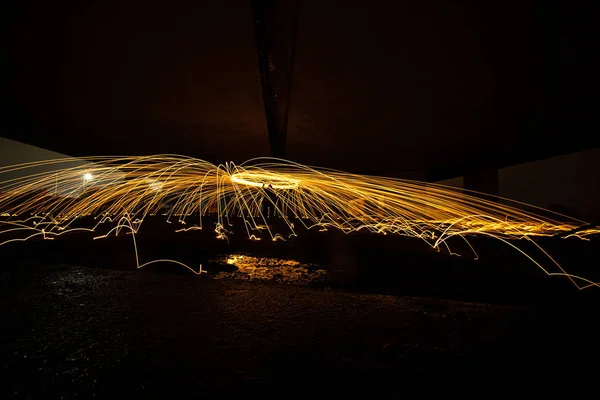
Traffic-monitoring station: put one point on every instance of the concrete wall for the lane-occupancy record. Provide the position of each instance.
(457, 182)
(13, 153)
(568, 184)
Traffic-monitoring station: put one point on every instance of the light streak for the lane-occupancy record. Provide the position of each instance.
(126, 190)
(264, 180)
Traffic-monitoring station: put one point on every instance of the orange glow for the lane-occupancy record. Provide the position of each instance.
(126, 190)
(265, 180)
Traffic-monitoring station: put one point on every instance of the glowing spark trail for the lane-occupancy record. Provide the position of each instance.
(125, 190)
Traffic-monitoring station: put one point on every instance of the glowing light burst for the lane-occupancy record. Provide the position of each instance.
(264, 180)
(123, 191)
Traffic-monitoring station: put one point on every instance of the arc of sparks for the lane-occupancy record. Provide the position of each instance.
(46, 197)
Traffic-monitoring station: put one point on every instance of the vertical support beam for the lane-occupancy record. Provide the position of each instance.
(275, 27)
(483, 181)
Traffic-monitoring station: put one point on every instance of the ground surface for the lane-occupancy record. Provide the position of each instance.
(70, 331)
(389, 315)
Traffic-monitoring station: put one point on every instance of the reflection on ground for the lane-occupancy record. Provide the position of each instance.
(269, 269)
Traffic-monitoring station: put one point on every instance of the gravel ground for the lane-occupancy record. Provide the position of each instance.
(81, 332)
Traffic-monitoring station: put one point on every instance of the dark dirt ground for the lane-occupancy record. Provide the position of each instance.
(79, 331)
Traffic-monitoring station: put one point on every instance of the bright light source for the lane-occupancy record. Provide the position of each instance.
(154, 185)
(265, 180)
(233, 259)
(88, 177)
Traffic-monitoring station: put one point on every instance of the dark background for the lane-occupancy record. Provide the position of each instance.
(428, 88)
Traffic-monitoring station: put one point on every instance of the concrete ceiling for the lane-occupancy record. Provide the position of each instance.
(382, 87)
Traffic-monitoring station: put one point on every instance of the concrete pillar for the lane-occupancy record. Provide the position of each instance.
(275, 26)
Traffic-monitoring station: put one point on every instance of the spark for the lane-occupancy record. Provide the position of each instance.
(126, 190)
